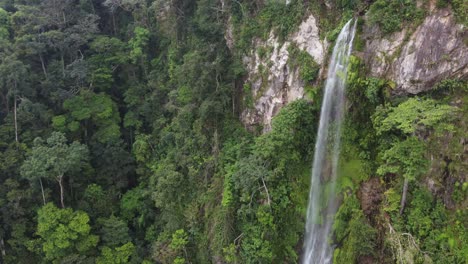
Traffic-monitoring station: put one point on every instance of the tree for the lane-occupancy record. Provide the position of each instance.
(97, 202)
(114, 232)
(414, 118)
(138, 43)
(405, 158)
(17, 211)
(64, 232)
(53, 159)
(170, 194)
(87, 111)
(4, 25)
(113, 164)
(108, 55)
(178, 244)
(12, 83)
(350, 226)
(119, 255)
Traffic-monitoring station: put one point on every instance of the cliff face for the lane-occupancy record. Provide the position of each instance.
(272, 82)
(415, 59)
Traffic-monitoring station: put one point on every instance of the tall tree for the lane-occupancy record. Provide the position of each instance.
(53, 159)
(89, 111)
(64, 232)
(12, 83)
(413, 119)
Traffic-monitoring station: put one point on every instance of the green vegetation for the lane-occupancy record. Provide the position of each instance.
(351, 228)
(53, 160)
(120, 140)
(254, 20)
(391, 15)
(267, 185)
(308, 68)
(408, 142)
(63, 233)
(459, 7)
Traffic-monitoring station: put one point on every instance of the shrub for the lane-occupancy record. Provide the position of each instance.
(391, 14)
(308, 68)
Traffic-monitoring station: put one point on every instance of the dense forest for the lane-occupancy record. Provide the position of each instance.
(121, 139)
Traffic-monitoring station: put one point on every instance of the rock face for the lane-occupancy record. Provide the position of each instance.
(308, 39)
(434, 51)
(272, 82)
(415, 59)
(370, 196)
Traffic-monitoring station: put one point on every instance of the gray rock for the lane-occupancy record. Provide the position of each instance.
(278, 84)
(434, 51)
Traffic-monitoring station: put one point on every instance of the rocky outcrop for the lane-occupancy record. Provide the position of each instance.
(370, 196)
(307, 38)
(416, 60)
(272, 82)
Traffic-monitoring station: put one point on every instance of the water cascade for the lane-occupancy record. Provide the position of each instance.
(322, 197)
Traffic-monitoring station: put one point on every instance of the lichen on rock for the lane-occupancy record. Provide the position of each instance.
(418, 59)
(273, 82)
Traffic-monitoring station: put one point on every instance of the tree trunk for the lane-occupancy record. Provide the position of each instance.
(113, 24)
(64, 19)
(2, 247)
(60, 181)
(92, 6)
(16, 123)
(43, 66)
(403, 196)
(63, 64)
(42, 190)
(5, 103)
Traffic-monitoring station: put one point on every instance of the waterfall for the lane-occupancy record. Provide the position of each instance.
(322, 197)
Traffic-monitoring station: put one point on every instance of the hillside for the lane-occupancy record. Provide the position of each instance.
(183, 131)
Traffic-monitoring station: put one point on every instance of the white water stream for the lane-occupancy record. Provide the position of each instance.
(322, 196)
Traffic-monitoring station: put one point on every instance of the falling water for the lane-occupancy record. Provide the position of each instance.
(322, 197)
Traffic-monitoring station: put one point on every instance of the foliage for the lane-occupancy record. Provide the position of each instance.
(179, 240)
(405, 158)
(264, 185)
(276, 16)
(308, 68)
(114, 231)
(90, 109)
(449, 87)
(64, 232)
(391, 15)
(138, 43)
(53, 159)
(440, 234)
(164, 169)
(350, 227)
(352, 173)
(95, 202)
(460, 8)
(365, 93)
(119, 255)
(413, 117)
(4, 25)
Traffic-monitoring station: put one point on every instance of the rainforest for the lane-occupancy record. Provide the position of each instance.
(233, 131)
